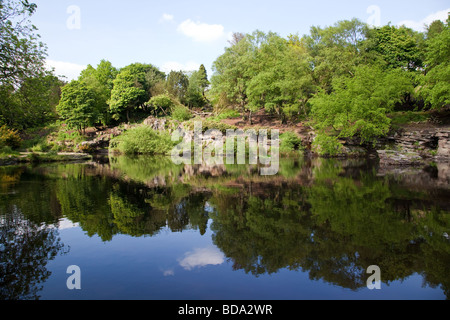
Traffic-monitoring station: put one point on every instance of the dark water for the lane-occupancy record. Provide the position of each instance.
(145, 228)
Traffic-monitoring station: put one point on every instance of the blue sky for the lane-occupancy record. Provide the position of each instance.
(181, 35)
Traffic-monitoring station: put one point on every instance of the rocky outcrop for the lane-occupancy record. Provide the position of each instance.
(415, 146)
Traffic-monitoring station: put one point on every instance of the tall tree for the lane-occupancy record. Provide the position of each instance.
(132, 88)
(77, 106)
(436, 88)
(177, 84)
(21, 53)
(204, 82)
(100, 80)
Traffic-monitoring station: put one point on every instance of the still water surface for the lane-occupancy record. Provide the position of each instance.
(144, 228)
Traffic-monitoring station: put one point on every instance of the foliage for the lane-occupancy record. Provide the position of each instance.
(181, 113)
(101, 81)
(142, 140)
(177, 84)
(358, 105)
(436, 86)
(399, 47)
(195, 97)
(132, 89)
(326, 145)
(77, 106)
(9, 138)
(161, 104)
(22, 55)
(290, 142)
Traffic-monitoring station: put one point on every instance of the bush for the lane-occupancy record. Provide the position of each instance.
(9, 138)
(290, 142)
(142, 140)
(181, 113)
(326, 145)
(211, 124)
(161, 104)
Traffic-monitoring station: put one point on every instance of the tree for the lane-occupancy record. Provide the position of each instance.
(436, 88)
(336, 50)
(231, 76)
(282, 81)
(204, 82)
(434, 29)
(399, 47)
(132, 88)
(101, 81)
(177, 84)
(358, 105)
(77, 106)
(195, 97)
(21, 54)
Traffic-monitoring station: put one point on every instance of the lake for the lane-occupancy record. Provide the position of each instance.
(145, 228)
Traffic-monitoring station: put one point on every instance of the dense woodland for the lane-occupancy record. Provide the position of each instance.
(344, 79)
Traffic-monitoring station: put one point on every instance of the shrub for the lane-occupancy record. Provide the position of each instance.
(161, 104)
(290, 142)
(181, 113)
(9, 138)
(326, 145)
(143, 140)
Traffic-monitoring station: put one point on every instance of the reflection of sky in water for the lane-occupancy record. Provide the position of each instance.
(202, 257)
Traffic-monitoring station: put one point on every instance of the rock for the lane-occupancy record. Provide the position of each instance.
(398, 158)
(155, 123)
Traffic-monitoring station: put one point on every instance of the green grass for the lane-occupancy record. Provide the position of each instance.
(402, 118)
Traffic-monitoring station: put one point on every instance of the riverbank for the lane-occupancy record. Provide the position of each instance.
(41, 157)
(414, 140)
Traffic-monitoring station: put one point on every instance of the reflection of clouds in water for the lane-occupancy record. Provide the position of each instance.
(168, 272)
(67, 224)
(202, 257)
(63, 224)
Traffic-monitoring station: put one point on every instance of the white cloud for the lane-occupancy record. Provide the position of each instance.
(202, 257)
(201, 32)
(70, 70)
(420, 25)
(166, 18)
(176, 66)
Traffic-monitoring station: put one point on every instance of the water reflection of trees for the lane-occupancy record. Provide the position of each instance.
(25, 250)
(106, 206)
(334, 229)
(328, 219)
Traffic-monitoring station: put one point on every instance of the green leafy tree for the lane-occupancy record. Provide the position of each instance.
(282, 81)
(101, 81)
(177, 84)
(358, 105)
(336, 50)
(22, 55)
(399, 47)
(434, 29)
(204, 82)
(231, 75)
(77, 106)
(436, 88)
(132, 88)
